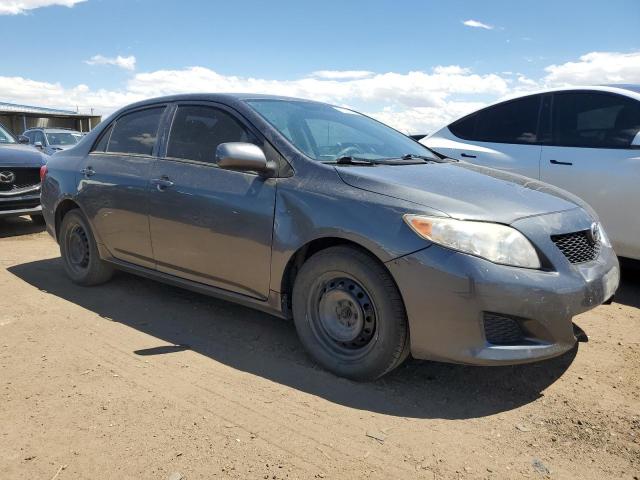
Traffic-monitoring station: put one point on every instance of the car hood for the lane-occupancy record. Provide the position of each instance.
(462, 190)
(20, 156)
(61, 147)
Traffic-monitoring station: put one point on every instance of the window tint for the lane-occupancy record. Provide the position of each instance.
(198, 130)
(101, 146)
(596, 120)
(510, 122)
(465, 127)
(136, 132)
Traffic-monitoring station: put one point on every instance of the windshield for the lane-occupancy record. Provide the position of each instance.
(327, 133)
(62, 138)
(5, 136)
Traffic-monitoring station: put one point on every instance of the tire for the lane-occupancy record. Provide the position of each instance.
(79, 252)
(349, 314)
(37, 219)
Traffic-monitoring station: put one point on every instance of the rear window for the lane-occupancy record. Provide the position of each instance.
(136, 133)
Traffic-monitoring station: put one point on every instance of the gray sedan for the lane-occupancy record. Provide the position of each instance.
(376, 247)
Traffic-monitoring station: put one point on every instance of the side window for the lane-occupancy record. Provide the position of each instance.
(136, 133)
(510, 122)
(101, 146)
(197, 131)
(465, 127)
(596, 120)
(38, 136)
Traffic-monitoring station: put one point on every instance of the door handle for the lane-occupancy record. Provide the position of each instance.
(556, 162)
(162, 183)
(88, 172)
(466, 155)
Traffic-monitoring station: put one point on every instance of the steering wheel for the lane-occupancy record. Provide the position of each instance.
(348, 151)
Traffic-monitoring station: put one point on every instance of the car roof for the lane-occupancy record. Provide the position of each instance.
(630, 90)
(225, 98)
(53, 130)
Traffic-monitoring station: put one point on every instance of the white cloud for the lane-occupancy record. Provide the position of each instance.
(341, 74)
(128, 63)
(414, 102)
(15, 7)
(477, 24)
(595, 68)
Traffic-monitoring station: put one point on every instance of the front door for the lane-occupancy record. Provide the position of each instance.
(592, 157)
(210, 225)
(114, 181)
(504, 136)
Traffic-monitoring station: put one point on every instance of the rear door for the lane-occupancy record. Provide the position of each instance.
(114, 180)
(591, 155)
(210, 225)
(504, 136)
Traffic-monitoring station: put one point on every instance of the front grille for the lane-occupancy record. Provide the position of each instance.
(578, 247)
(23, 177)
(501, 330)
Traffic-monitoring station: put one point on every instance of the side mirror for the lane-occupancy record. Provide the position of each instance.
(23, 139)
(244, 157)
(38, 145)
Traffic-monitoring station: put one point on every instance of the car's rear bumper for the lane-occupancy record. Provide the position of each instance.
(455, 301)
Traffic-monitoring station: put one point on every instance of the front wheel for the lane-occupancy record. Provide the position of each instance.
(79, 251)
(349, 314)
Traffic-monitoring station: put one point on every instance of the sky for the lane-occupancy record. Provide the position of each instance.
(415, 65)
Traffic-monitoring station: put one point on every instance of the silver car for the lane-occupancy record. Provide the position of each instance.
(583, 139)
(51, 140)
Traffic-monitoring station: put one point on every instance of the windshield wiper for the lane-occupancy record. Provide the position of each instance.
(404, 160)
(349, 160)
(410, 156)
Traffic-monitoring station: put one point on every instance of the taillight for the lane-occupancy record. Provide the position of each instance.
(43, 173)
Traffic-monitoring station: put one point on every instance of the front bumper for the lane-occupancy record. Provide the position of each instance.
(18, 205)
(448, 295)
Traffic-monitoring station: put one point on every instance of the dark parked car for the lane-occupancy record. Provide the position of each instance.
(19, 178)
(52, 140)
(375, 246)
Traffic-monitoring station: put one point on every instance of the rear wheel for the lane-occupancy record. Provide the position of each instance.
(349, 314)
(37, 219)
(79, 252)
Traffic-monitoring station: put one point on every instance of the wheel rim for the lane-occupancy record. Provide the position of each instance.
(343, 315)
(78, 249)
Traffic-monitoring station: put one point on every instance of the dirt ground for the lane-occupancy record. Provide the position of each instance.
(136, 379)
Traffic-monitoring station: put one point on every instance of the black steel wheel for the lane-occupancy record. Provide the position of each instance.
(349, 314)
(77, 246)
(342, 314)
(79, 252)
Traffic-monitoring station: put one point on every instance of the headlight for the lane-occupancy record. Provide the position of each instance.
(599, 234)
(495, 242)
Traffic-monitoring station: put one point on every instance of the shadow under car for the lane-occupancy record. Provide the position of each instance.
(263, 345)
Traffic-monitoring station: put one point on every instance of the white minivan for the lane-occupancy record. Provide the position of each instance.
(585, 140)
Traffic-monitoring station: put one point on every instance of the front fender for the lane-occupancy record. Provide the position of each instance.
(370, 220)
